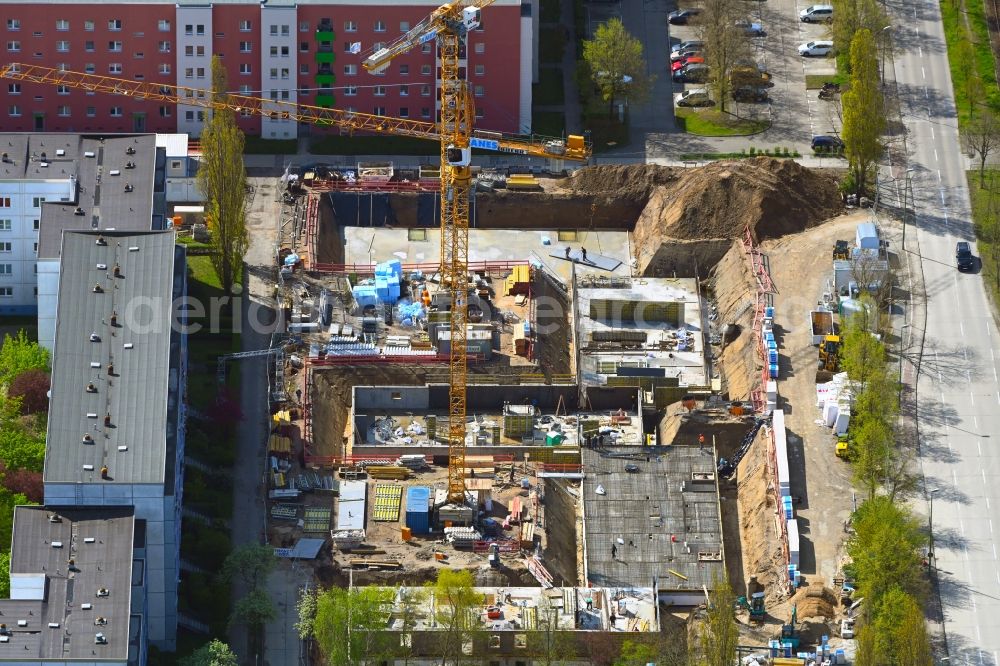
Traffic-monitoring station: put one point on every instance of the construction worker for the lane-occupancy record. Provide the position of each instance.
(583, 253)
(614, 551)
(701, 442)
(567, 252)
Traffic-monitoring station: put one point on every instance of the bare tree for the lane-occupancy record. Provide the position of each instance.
(871, 272)
(726, 44)
(982, 138)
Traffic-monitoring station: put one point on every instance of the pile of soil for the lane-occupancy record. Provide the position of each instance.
(814, 601)
(637, 180)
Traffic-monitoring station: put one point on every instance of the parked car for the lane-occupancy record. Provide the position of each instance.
(825, 143)
(963, 256)
(750, 28)
(817, 48)
(693, 73)
(681, 55)
(694, 97)
(749, 94)
(689, 45)
(683, 16)
(680, 64)
(816, 14)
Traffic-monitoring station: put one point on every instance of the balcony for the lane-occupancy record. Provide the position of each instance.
(325, 55)
(324, 32)
(324, 100)
(325, 78)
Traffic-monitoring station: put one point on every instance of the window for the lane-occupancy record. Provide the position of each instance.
(14, 88)
(6, 292)
(62, 90)
(4, 202)
(62, 67)
(425, 47)
(404, 70)
(14, 24)
(189, 29)
(303, 26)
(404, 26)
(164, 68)
(138, 55)
(284, 72)
(284, 51)
(34, 224)
(350, 70)
(246, 26)
(274, 73)
(6, 247)
(479, 114)
(303, 92)
(91, 111)
(379, 111)
(115, 47)
(350, 91)
(90, 68)
(284, 31)
(163, 25)
(62, 25)
(303, 47)
(116, 112)
(244, 68)
(63, 111)
(350, 26)
(404, 91)
(189, 116)
(199, 30)
(36, 202)
(379, 26)
(115, 68)
(6, 225)
(88, 26)
(481, 47)
(165, 111)
(404, 112)
(14, 46)
(425, 90)
(115, 25)
(201, 72)
(245, 89)
(189, 72)
(479, 91)
(274, 30)
(14, 111)
(274, 51)
(380, 91)
(246, 47)
(164, 47)
(199, 51)
(304, 68)
(480, 70)
(425, 70)
(88, 46)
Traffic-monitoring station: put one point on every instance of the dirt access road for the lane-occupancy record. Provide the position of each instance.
(800, 269)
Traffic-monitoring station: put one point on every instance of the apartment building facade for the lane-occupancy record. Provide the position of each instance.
(307, 53)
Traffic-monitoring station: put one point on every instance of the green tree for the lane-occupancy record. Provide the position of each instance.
(306, 608)
(850, 16)
(982, 138)
(4, 575)
(637, 653)
(725, 44)
(617, 65)
(350, 625)
(253, 611)
(721, 633)
(18, 354)
(454, 601)
(863, 108)
(213, 653)
(913, 645)
(886, 550)
(222, 179)
(250, 563)
(22, 443)
(969, 81)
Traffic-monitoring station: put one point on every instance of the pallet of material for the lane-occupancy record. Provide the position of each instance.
(387, 501)
(380, 564)
(388, 472)
(317, 519)
(522, 181)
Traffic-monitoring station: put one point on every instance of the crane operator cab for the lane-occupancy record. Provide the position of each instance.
(458, 157)
(471, 17)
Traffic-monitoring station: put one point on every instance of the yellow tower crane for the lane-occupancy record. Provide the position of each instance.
(449, 25)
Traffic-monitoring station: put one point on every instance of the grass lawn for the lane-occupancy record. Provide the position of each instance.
(551, 44)
(335, 144)
(549, 89)
(816, 81)
(549, 11)
(256, 145)
(955, 35)
(987, 244)
(710, 122)
(548, 123)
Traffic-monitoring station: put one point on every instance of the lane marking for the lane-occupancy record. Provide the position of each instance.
(983, 471)
(922, 72)
(988, 329)
(961, 327)
(995, 378)
(979, 447)
(972, 398)
(975, 422)
(988, 506)
(991, 526)
(936, 159)
(932, 136)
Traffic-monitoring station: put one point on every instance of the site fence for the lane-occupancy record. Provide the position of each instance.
(368, 269)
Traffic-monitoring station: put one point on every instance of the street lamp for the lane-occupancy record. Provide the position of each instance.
(930, 527)
(880, 33)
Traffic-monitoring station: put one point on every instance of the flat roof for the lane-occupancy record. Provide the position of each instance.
(646, 346)
(99, 541)
(101, 180)
(663, 519)
(140, 394)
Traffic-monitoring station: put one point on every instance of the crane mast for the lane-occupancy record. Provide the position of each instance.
(449, 25)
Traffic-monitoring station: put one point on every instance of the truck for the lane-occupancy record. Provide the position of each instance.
(821, 322)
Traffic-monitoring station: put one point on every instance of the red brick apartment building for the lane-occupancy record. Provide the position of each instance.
(300, 53)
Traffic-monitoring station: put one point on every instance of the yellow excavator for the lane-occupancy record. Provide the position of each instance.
(829, 353)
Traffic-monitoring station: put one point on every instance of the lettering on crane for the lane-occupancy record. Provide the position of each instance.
(485, 144)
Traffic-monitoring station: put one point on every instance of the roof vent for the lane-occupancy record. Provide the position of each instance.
(43, 155)
(5, 159)
(95, 364)
(100, 639)
(133, 248)
(122, 449)
(53, 625)
(129, 345)
(79, 211)
(114, 318)
(102, 267)
(115, 172)
(117, 270)
(57, 544)
(60, 152)
(4, 639)
(91, 415)
(104, 475)
(100, 241)
(130, 165)
(107, 420)
(54, 518)
(111, 369)
(128, 187)
(89, 153)
(130, 151)
(22, 623)
(94, 337)
(86, 606)
(43, 164)
(89, 539)
(100, 620)
(91, 388)
(88, 468)
(87, 439)
(103, 592)
(98, 289)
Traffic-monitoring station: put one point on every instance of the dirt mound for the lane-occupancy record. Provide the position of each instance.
(816, 601)
(637, 179)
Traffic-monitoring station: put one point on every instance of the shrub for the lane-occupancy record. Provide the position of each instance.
(32, 386)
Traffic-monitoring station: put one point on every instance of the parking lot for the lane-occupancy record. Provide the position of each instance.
(796, 114)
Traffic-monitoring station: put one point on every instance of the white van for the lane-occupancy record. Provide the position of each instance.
(694, 97)
(816, 14)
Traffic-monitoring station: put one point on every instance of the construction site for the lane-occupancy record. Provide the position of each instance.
(636, 418)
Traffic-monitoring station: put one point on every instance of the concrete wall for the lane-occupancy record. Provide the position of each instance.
(561, 518)
(391, 397)
(674, 258)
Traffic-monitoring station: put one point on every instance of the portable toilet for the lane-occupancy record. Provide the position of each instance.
(418, 500)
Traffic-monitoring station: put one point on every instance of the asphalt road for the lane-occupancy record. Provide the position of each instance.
(958, 402)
